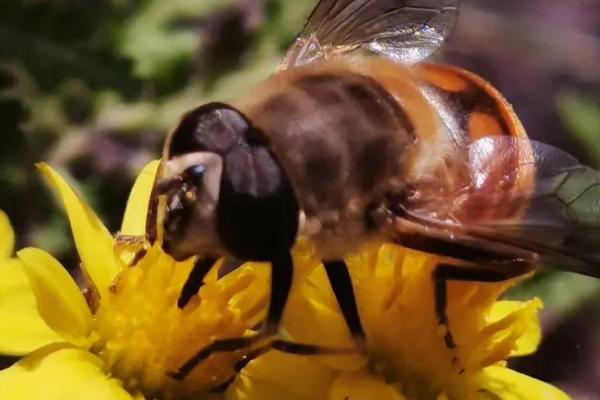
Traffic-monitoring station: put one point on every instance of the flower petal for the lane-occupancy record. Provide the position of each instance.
(278, 375)
(361, 386)
(523, 316)
(7, 236)
(23, 328)
(93, 241)
(316, 303)
(134, 220)
(57, 373)
(59, 300)
(507, 384)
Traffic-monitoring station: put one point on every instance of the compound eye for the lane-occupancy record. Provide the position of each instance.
(214, 127)
(195, 175)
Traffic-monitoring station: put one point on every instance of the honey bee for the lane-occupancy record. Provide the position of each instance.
(356, 139)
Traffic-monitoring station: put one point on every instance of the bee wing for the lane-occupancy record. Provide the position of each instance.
(405, 31)
(521, 195)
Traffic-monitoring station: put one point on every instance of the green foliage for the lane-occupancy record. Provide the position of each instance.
(152, 40)
(582, 116)
(561, 292)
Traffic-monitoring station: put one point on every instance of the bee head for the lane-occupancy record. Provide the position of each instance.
(225, 191)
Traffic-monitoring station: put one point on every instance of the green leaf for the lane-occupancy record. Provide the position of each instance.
(582, 117)
(151, 39)
(560, 291)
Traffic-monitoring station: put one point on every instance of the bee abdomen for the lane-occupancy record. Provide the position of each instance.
(338, 135)
(479, 111)
(479, 108)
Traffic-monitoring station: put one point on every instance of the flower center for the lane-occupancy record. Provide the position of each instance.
(395, 293)
(142, 336)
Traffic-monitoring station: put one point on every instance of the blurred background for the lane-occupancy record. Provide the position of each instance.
(93, 87)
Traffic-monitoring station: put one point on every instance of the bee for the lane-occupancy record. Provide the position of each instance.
(355, 138)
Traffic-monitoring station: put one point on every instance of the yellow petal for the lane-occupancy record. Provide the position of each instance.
(507, 384)
(60, 373)
(134, 220)
(59, 300)
(7, 236)
(361, 386)
(276, 376)
(92, 239)
(23, 328)
(316, 303)
(524, 316)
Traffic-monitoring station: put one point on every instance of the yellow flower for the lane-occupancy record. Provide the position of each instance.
(407, 358)
(21, 327)
(121, 340)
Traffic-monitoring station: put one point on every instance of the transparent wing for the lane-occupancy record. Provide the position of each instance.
(522, 194)
(405, 31)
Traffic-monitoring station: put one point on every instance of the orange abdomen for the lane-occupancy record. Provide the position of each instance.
(451, 108)
(480, 110)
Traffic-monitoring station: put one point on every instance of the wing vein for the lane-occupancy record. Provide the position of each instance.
(389, 28)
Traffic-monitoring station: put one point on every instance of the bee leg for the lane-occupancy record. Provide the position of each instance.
(286, 346)
(282, 270)
(341, 284)
(248, 358)
(218, 346)
(282, 273)
(283, 346)
(449, 272)
(229, 265)
(304, 349)
(280, 345)
(194, 281)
